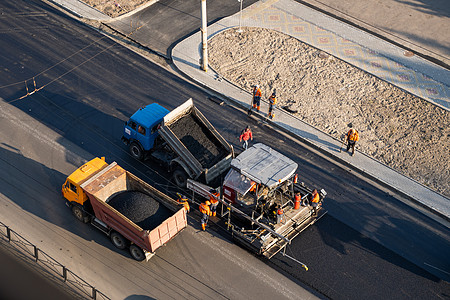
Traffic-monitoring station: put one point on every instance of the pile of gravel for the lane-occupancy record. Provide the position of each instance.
(140, 208)
(199, 141)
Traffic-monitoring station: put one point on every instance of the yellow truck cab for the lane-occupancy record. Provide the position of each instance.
(74, 194)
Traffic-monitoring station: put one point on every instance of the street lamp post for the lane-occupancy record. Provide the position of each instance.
(204, 59)
(240, 16)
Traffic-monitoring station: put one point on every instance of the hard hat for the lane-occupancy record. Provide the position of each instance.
(207, 202)
(257, 85)
(274, 94)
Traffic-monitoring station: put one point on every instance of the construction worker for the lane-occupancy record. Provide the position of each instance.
(184, 200)
(206, 212)
(256, 98)
(280, 215)
(272, 105)
(246, 135)
(352, 138)
(315, 200)
(214, 202)
(252, 187)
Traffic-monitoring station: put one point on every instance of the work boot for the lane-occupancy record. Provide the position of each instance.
(204, 227)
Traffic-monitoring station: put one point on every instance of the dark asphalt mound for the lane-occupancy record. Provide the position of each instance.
(199, 141)
(140, 208)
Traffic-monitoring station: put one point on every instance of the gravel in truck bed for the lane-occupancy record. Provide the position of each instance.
(140, 208)
(198, 140)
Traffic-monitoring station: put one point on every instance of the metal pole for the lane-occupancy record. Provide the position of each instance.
(204, 58)
(240, 16)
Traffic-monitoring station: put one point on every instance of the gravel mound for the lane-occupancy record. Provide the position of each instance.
(140, 208)
(397, 128)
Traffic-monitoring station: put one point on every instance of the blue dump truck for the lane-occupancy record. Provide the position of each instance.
(183, 140)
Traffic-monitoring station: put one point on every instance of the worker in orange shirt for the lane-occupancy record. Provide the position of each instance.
(206, 212)
(214, 202)
(256, 103)
(315, 201)
(246, 135)
(352, 138)
(184, 200)
(280, 215)
(272, 105)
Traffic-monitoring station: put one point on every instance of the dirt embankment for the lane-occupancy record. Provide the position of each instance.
(403, 131)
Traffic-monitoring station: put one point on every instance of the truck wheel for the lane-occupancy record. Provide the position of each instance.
(180, 177)
(79, 214)
(136, 151)
(118, 240)
(137, 253)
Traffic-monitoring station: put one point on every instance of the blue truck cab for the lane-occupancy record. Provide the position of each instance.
(141, 131)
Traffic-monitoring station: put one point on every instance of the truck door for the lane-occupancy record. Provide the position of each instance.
(130, 130)
(70, 192)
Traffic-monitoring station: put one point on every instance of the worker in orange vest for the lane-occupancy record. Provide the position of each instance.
(280, 215)
(272, 105)
(352, 138)
(315, 200)
(256, 103)
(184, 200)
(206, 212)
(214, 202)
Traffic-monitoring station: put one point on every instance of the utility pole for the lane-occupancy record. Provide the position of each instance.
(240, 16)
(204, 58)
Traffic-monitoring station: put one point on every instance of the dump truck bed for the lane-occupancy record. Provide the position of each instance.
(196, 141)
(110, 184)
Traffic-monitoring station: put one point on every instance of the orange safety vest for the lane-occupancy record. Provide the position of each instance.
(256, 92)
(280, 211)
(316, 198)
(204, 209)
(212, 199)
(185, 202)
(352, 135)
(272, 100)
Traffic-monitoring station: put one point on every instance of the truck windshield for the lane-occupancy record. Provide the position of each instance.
(238, 182)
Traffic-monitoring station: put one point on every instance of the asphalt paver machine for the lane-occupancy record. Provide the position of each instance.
(261, 198)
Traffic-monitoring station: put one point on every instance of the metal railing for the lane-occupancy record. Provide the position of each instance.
(73, 281)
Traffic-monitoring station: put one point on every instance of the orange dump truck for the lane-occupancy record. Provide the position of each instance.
(131, 212)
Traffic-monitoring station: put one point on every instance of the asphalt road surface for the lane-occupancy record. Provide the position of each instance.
(370, 244)
(164, 23)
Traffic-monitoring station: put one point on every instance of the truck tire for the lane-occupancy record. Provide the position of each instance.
(80, 214)
(118, 240)
(180, 177)
(136, 151)
(137, 253)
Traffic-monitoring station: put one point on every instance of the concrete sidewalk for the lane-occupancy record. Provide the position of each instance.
(386, 61)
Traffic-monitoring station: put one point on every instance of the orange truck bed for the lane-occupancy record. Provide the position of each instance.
(113, 180)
